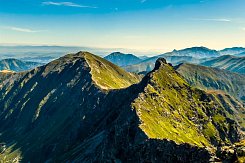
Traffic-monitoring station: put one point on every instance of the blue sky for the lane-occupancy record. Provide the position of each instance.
(144, 25)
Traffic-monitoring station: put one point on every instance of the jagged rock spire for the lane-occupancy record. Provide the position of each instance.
(159, 62)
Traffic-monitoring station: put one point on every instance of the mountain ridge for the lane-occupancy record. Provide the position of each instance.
(87, 123)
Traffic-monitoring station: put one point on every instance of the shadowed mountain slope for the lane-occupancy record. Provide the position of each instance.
(65, 112)
(227, 62)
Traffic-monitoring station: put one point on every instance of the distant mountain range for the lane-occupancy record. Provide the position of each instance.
(192, 55)
(122, 59)
(196, 52)
(148, 64)
(17, 65)
(196, 55)
(228, 62)
(83, 108)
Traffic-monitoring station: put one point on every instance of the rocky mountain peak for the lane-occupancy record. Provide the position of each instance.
(160, 62)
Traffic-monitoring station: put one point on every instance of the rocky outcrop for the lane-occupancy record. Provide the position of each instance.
(234, 153)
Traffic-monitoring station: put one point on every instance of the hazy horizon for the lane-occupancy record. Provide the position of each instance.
(11, 48)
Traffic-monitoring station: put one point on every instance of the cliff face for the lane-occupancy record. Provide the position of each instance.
(69, 111)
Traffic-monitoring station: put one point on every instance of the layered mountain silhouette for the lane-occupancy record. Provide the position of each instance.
(228, 62)
(82, 108)
(197, 52)
(17, 65)
(195, 55)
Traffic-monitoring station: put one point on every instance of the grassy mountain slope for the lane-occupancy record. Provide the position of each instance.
(234, 107)
(108, 75)
(121, 59)
(17, 65)
(231, 63)
(208, 78)
(60, 112)
(170, 109)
